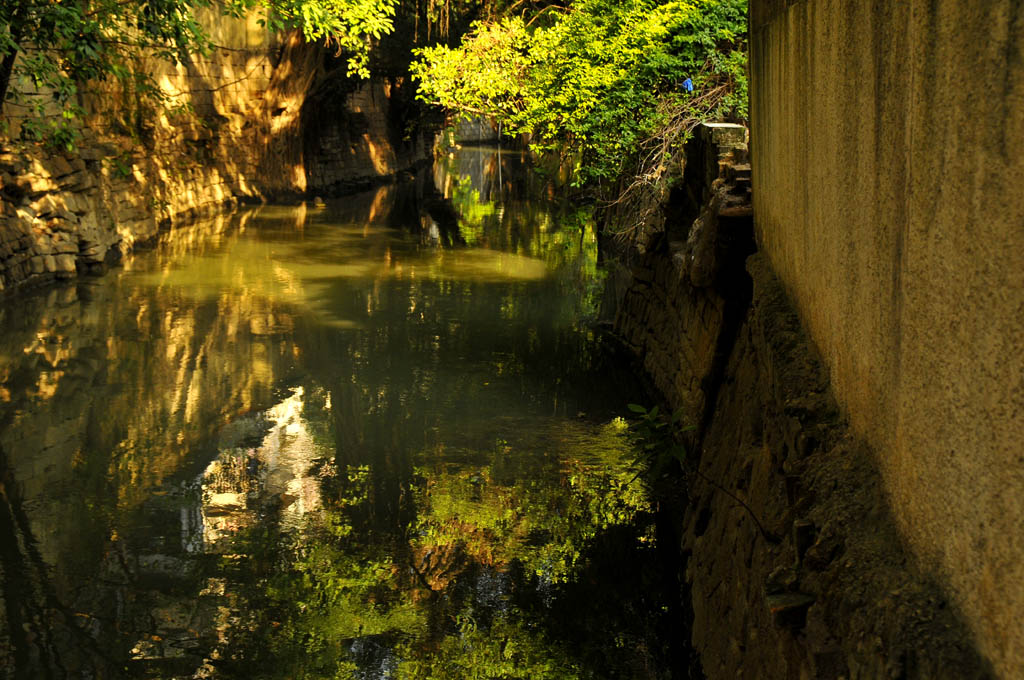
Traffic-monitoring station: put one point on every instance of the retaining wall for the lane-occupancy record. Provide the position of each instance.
(886, 149)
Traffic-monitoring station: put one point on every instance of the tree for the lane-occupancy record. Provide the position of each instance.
(57, 45)
(603, 81)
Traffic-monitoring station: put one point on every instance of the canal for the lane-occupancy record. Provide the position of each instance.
(373, 437)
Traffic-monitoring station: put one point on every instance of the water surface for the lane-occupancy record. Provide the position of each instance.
(374, 439)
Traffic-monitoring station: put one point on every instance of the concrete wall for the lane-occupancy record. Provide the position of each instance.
(887, 150)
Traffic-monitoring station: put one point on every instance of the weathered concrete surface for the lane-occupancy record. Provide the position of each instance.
(886, 149)
(825, 590)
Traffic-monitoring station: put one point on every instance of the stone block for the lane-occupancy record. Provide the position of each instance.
(11, 163)
(34, 185)
(79, 180)
(724, 134)
(75, 204)
(93, 254)
(64, 246)
(91, 154)
(65, 265)
(59, 167)
(44, 206)
(67, 215)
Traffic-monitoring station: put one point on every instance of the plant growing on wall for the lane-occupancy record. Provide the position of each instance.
(50, 48)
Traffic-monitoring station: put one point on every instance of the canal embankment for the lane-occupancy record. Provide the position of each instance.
(866, 408)
(263, 116)
(887, 202)
(792, 556)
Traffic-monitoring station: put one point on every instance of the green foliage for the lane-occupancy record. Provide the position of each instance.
(339, 579)
(598, 79)
(347, 25)
(508, 649)
(655, 438)
(495, 514)
(473, 210)
(55, 47)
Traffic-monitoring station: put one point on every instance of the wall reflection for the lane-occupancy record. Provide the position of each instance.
(371, 437)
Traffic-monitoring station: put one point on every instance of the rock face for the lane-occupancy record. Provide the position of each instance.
(794, 561)
(62, 214)
(353, 140)
(258, 129)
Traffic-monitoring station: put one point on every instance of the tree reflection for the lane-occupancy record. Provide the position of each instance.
(456, 593)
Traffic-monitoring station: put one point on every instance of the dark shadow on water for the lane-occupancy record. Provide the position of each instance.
(622, 617)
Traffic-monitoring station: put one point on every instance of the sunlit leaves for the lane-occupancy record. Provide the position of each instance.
(587, 80)
(487, 75)
(346, 25)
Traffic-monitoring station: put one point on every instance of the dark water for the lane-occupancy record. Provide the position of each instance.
(374, 439)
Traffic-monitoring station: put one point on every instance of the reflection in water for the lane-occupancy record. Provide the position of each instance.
(372, 440)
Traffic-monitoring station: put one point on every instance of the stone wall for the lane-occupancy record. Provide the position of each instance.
(885, 145)
(247, 133)
(794, 563)
(62, 214)
(478, 130)
(671, 312)
(674, 336)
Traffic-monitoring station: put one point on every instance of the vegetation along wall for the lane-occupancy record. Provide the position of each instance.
(887, 201)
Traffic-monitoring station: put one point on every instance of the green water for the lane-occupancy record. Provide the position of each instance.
(378, 438)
